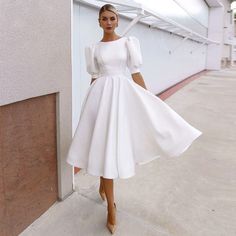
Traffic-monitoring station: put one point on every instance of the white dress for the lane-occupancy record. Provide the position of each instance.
(122, 124)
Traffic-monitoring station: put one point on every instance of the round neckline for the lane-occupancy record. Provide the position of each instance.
(111, 40)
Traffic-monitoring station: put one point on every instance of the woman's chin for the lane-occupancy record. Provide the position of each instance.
(109, 31)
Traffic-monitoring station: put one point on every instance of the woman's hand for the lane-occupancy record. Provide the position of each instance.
(92, 79)
(137, 78)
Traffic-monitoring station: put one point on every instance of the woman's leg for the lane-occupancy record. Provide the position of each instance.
(108, 188)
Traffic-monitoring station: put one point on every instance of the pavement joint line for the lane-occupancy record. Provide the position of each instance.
(90, 188)
(138, 219)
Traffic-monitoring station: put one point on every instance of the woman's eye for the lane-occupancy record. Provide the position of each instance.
(112, 19)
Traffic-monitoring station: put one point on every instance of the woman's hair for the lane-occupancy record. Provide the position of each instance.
(108, 7)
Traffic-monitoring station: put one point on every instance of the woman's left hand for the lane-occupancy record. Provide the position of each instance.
(137, 78)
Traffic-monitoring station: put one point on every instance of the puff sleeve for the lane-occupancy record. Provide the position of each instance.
(91, 63)
(134, 54)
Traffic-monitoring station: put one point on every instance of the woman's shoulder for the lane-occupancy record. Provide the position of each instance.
(90, 48)
(116, 41)
(129, 37)
(132, 38)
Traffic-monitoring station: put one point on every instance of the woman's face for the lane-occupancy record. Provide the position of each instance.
(108, 21)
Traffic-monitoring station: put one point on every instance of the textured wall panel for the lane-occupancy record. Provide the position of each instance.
(28, 161)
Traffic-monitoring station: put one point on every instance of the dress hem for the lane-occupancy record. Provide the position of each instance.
(180, 151)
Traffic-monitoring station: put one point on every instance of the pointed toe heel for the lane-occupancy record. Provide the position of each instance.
(111, 227)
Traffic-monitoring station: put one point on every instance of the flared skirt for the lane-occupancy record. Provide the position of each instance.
(121, 125)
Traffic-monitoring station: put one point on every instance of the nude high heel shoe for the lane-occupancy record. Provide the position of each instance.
(111, 227)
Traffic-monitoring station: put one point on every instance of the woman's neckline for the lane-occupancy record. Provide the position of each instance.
(111, 40)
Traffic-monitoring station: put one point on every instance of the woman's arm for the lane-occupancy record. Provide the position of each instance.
(137, 77)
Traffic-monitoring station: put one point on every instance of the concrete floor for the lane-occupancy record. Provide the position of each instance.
(192, 195)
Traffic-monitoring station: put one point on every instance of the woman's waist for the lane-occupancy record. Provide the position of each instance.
(113, 73)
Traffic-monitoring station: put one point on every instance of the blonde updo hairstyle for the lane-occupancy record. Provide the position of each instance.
(108, 7)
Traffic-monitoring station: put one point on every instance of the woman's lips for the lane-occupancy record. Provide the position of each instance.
(108, 28)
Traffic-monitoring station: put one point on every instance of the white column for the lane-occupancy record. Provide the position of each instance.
(215, 32)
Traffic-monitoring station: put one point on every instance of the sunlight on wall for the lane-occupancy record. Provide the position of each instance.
(190, 10)
(167, 7)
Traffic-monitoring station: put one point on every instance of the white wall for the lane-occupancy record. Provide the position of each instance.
(197, 9)
(216, 33)
(192, 14)
(35, 49)
(228, 28)
(160, 69)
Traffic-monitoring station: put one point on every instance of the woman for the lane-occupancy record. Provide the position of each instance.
(121, 123)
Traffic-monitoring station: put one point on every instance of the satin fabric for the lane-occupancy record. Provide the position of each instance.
(122, 124)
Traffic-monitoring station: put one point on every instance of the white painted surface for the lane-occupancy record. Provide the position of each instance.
(160, 69)
(192, 14)
(228, 33)
(35, 47)
(197, 9)
(193, 195)
(215, 32)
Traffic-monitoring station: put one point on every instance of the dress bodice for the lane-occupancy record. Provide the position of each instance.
(114, 57)
(111, 57)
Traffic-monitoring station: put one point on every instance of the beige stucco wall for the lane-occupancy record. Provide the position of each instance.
(35, 49)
